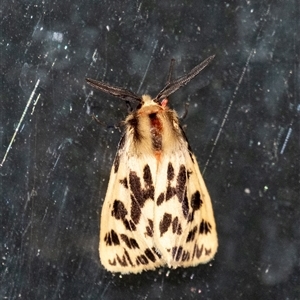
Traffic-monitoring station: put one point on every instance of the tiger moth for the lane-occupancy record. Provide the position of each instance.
(157, 211)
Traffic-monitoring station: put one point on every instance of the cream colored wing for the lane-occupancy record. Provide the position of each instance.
(184, 226)
(126, 226)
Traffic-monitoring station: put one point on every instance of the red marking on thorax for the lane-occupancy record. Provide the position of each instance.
(156, 124)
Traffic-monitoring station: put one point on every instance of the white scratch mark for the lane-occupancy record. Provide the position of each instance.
(35, 103)
(146, 71)
(26, 229)
(95, 56)
(229, 108)
(56, 162)
(286, 140)
(252, 53)
(19, 124)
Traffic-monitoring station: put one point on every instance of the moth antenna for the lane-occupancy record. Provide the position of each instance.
(124, 94)
(173, 86)
(171, 70)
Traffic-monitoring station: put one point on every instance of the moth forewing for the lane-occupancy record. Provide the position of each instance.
(157, 210)
(180, 211)
(123, 246)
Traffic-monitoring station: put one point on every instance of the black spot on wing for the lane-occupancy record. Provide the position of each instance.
(205, 227)
(147, 175)
(185, 205)
(154, 250)
(196, 201)
(150, 255)
(197, 251)
(149, 228)
(136, 187)
(111, 238)
(135, 210)
(170, 172)
(149, 193)
(181, 183)
(160, 199)
(139, 195)
(180, 188)
(112, 262)
(128, 257)
(130, 242)
(171, 192)
(129, 225)
(124, 260)
(185, 256)
(124, 182)
(132, 225)
(176, 226)
(177, 252)
(114, 238)
(119, 211)
(142, 259)
(107, 239)
(179, 229)
(165, 223)
(207, 251)
(191, 235)
(149, 187)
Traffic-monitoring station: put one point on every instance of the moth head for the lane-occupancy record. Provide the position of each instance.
(147, 101)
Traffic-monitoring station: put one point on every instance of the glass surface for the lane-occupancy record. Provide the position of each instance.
(242, 124)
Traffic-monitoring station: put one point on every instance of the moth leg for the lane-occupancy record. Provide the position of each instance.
(186, 110)
(129, 107)
(97, 120)
(114, 126)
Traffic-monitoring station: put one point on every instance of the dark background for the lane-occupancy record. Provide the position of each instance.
(54, 178)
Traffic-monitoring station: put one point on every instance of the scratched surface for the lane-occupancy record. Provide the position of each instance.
(242, 123)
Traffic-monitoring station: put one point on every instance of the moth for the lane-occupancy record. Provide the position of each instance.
(157, 210)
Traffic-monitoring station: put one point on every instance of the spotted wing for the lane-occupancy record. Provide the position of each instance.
(126, 228)
(184, 225)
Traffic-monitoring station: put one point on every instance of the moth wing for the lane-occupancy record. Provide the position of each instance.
(126, 228)
(184, 225)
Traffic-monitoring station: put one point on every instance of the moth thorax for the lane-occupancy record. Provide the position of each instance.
(156, 131)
